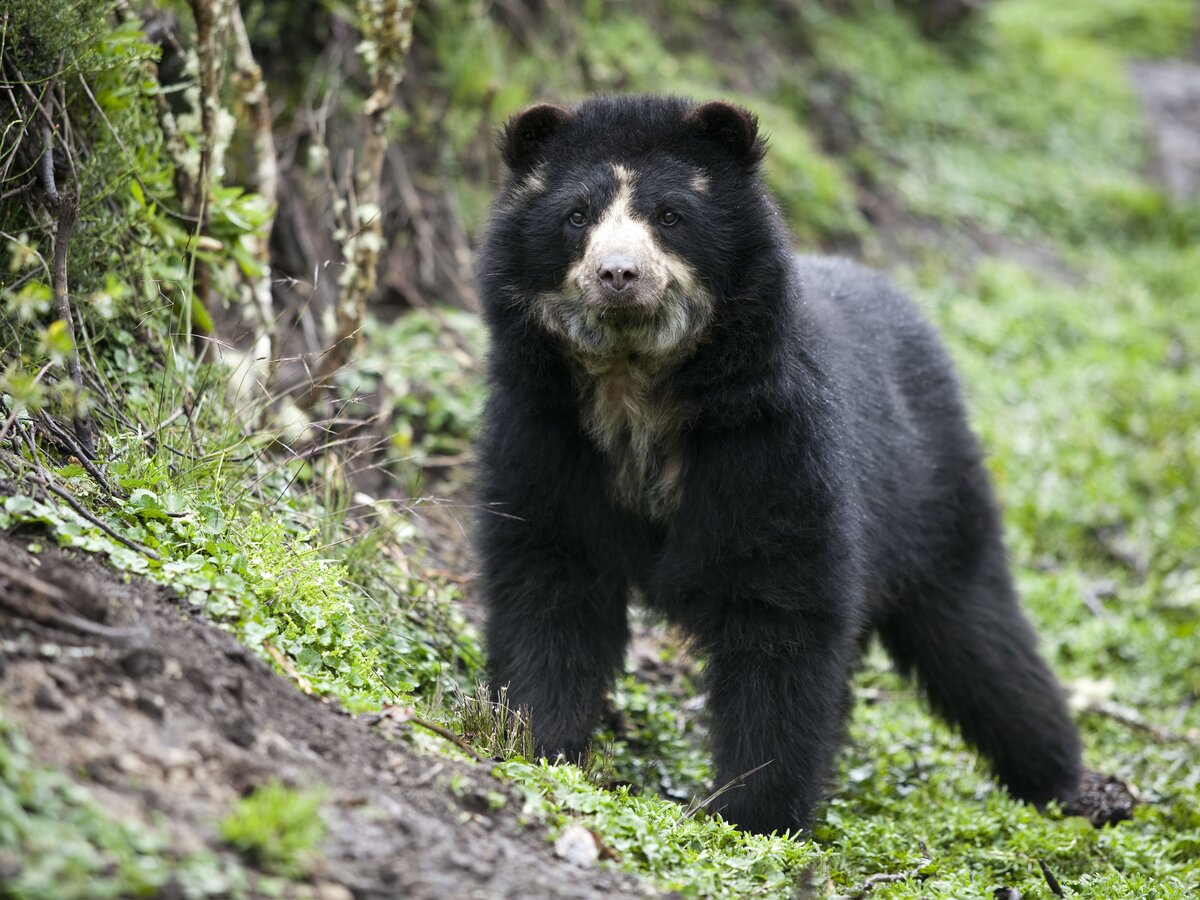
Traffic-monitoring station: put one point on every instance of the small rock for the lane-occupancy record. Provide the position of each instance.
(577, 845)
(83, 725)
(141, 662)
(48, 698)
(129, 763)
(240, 730)
(331, 890)
(151, 705)
(178, 758)
(124, 691)
(66, 680)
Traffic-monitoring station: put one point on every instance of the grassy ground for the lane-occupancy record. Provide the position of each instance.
(1008, 176)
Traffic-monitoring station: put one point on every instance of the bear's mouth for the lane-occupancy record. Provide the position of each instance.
(658, 323)
(624, 318)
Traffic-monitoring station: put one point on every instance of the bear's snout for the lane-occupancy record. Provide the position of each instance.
(617, 272)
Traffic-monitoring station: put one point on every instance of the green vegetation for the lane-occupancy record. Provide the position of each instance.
(681, 851)
(1010, 164)
(276, 828)
(56, 845)
(426, 366)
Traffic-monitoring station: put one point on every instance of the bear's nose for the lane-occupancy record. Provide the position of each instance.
(616, 272)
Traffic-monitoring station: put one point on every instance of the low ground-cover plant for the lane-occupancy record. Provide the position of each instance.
(276, 828)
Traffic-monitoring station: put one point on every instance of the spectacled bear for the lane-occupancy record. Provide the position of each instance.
(770, 451)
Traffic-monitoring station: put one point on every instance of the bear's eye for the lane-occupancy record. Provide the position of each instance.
(668, 217)
(577, 218)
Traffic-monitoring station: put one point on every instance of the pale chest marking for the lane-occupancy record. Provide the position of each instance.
(631, 418)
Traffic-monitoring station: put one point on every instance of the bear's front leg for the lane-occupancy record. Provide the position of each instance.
(556, 635)
(778, 695)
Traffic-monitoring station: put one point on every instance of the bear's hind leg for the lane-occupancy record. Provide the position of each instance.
(975, 656)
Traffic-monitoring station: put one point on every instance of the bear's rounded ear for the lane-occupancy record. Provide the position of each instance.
(731, 126)
(525, 133)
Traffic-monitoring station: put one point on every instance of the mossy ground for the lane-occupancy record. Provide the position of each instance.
(1067, 285)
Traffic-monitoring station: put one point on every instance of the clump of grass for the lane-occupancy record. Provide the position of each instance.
(277, 829)
(490, 725)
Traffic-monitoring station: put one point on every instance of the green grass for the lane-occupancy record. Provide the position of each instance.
(232, 533)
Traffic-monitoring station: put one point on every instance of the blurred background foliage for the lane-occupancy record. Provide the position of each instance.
(994, 157)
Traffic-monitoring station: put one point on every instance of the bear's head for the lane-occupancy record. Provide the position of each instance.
(625, 221)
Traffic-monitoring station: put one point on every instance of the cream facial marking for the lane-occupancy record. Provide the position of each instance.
(528, 187)
(620, 232)
(700, 183)
(656, 306)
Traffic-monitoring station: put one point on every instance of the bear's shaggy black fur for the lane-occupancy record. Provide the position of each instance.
(769, 451)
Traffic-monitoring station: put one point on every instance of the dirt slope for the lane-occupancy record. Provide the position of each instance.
(159, 712)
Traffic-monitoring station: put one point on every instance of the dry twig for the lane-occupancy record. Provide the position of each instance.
(1132, 719)
(62, 435)
(396, 713)
(871, 882)
(286, 664)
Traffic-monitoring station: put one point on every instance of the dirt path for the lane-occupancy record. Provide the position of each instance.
(166, 718)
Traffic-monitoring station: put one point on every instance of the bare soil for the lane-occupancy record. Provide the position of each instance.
(1170, 95)
(167, 719)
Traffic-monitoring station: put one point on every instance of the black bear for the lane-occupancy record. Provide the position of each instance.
(768, 450)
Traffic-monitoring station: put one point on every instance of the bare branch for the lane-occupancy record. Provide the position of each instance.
(48, 165)
(67, 209)
(254, 94)
(387, 35)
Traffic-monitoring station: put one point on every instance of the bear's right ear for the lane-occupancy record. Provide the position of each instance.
(731, 126)
(526, 132)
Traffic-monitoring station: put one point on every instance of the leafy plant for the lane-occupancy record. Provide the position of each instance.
(276, 828)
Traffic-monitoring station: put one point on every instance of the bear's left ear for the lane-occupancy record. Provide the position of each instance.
(733, 127)
(525, 133)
